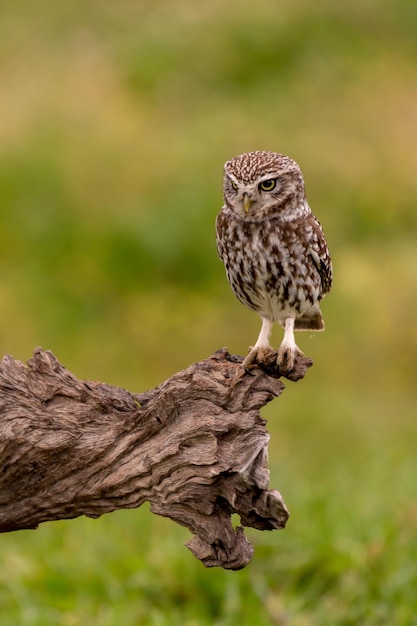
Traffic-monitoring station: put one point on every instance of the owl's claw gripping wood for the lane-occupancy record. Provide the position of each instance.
(287, 352)
(256, 355)
(286, 357)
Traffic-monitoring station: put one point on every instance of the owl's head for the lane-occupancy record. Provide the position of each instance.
(264, 184)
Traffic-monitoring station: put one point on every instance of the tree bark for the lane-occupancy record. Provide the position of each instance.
(195, 448)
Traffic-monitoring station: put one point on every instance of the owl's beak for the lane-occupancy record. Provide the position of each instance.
(247, 202)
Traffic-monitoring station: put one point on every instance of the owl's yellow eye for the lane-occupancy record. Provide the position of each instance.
(268, 185)
(234, 185)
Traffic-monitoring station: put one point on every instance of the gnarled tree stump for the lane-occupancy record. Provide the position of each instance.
(195, 447)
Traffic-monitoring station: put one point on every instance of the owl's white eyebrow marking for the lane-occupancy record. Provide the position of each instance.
(273, 175)
(232, 178)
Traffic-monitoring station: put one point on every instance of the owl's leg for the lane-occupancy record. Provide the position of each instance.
(288, 350)
(261, 347)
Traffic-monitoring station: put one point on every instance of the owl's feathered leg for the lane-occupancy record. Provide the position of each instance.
(262, 346)
(288, 350)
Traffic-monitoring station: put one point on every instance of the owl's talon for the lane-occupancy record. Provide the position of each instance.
(256, 355)
(287, 356)
(249, 362)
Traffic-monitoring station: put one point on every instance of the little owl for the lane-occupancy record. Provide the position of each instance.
(273, 249)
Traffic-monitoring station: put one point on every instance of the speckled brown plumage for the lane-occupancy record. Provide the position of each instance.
(273, 248)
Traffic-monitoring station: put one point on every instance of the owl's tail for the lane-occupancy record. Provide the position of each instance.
(311, 320)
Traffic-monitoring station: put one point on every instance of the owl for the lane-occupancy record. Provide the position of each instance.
(273, 248)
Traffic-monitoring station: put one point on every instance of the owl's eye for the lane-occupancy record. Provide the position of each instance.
(234, 185)
(268, 185)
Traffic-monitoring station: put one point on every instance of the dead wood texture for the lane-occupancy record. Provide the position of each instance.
(195, 448)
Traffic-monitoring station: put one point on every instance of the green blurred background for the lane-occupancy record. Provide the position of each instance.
(115, 121)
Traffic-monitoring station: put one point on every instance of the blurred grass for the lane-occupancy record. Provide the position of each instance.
(115, 121)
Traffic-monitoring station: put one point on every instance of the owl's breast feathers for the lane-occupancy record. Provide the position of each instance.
(284, 262)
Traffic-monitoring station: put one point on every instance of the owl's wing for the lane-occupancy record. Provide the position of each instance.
(220, 226)
(319, 252)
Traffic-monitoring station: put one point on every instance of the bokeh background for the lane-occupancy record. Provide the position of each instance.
(115, 121)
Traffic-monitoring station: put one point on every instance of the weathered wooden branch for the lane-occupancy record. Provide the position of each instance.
(195, 447)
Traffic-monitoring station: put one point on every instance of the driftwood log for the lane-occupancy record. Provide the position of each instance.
(195, 448)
